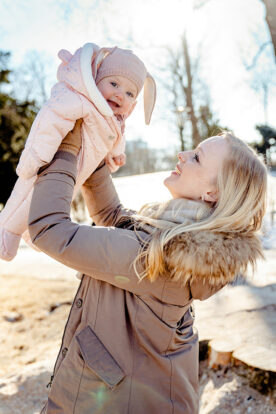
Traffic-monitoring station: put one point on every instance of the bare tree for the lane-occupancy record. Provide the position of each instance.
(188, 91)
(34, 78)
(271, 20)
(261, 66)
(254, 61)
(207, 122)
(181, 88)
(190, 100)
(262, 71)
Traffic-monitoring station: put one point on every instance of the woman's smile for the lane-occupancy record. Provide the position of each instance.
(177, 169)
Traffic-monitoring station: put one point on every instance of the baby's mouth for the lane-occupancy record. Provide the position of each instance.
(113, 104)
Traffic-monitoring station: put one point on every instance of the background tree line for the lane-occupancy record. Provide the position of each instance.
(16, 118)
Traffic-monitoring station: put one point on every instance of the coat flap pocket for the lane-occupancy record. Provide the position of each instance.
(98, 359)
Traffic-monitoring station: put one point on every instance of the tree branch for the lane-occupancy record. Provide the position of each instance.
(256, 57)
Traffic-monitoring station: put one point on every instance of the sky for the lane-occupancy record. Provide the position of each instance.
(224, 33)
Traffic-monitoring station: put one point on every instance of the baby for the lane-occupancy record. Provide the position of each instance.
(120, 77)
(99, 85)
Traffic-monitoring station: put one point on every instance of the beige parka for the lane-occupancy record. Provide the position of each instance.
(128, 347)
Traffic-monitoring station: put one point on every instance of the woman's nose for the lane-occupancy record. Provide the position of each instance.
(181, 156)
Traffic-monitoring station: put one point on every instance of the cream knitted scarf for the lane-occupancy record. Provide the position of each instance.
(176, 211)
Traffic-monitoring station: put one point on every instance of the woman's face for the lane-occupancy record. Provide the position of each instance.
(195, 175)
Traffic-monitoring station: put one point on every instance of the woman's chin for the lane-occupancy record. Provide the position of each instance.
(167, 183)
(173, 175)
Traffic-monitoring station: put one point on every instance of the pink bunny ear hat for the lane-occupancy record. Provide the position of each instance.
(123, 62)
(113, 61)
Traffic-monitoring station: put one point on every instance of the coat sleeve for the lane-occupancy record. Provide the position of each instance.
(55, 119)
(102, 200)
(104, 253)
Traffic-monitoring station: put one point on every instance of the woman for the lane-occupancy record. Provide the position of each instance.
(129, 345)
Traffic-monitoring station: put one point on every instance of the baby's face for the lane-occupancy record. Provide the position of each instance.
(120, 94)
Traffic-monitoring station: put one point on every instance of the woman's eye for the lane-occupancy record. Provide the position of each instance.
(196, 157)
(130, 94)
(113, 84)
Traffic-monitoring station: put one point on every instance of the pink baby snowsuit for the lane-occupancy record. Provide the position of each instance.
(75, 96)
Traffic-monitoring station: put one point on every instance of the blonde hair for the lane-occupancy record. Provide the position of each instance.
(241, 183)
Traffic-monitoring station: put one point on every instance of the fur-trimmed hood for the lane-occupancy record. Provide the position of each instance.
(75, 70)
(214, 257)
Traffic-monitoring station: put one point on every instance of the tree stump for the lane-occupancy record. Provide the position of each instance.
(220, 353)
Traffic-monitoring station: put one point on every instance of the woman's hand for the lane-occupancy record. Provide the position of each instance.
(72, 142)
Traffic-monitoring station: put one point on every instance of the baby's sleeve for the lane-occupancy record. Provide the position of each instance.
(119, 147)
(54, 120)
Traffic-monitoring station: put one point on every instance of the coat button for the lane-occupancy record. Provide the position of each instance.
(64, 351)
(79, 303)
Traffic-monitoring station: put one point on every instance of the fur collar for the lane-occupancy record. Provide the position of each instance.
(214, 257)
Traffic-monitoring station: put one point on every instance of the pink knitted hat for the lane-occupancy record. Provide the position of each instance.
(123, 62)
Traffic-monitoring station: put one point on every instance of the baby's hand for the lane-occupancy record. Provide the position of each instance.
(120, 160)
(114, 163)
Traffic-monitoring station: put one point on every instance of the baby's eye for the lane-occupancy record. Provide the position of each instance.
(130, 94)
(114, 84)
(196, 157)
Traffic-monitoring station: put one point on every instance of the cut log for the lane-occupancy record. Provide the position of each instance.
(220, 353)
(240, 325)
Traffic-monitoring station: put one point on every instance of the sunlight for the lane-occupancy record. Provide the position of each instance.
(172, 18)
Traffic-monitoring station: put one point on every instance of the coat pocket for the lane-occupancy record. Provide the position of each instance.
(98, 358)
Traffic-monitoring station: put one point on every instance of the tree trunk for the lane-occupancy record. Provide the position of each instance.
(189, 93)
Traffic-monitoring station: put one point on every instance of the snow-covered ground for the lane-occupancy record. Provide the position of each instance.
(137, 190)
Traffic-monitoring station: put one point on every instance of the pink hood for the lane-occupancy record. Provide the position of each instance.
(76, 71)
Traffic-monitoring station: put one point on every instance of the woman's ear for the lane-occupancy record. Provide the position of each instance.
(211, 196)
